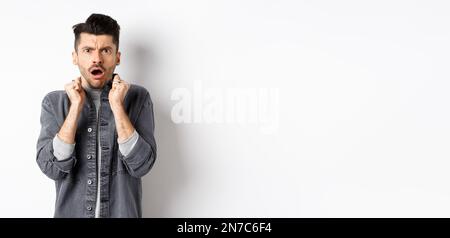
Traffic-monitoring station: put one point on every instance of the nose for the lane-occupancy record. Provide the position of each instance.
(97, 57)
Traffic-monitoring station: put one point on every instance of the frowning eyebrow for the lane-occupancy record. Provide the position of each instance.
(92, 48)
(87, 48)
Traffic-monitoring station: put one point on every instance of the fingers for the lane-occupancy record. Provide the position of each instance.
(78, 80)
(119, 84)
(74, 85)
(116, 81)
(77, 84)
(116, 78)
(75, 91)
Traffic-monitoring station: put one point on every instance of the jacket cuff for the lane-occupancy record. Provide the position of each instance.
(140, 149)
(63, 165)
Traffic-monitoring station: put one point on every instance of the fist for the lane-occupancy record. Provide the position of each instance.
(75, 92)
(118, 92)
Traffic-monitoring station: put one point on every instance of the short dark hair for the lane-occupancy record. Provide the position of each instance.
(98, 24)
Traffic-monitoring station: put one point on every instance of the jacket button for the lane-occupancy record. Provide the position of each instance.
(89, 208)
(89, 129)
(89, 157)
(89, 181)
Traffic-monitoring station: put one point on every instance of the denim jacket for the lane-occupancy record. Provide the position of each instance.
(120, 176)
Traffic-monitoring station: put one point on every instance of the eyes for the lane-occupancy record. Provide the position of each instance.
(104, 51)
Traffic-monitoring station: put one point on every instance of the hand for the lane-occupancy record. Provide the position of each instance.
(76, 96)
(117, 93)
(75, 92)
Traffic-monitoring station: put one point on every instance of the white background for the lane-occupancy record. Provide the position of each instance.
(363, 108)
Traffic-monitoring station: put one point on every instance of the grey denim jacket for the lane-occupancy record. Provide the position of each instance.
(120, 176)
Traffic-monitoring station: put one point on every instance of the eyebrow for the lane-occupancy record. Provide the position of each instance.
(92, 48)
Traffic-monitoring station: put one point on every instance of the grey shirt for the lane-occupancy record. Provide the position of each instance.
(118, 174)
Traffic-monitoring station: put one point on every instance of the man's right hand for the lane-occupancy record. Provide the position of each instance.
(76, 96)
(76, 93)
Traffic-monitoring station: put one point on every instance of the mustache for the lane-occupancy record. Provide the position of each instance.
(97, 66)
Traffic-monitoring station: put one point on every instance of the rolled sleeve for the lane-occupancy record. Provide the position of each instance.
(127, 146)
(61, 149)
(45, 157)
(142, 156)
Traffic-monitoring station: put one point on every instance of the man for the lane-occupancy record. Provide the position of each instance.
(96, 138)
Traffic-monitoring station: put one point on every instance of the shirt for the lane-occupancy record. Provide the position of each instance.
(76, 178)
(63, 150)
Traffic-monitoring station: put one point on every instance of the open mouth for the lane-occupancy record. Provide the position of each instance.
(97, 72)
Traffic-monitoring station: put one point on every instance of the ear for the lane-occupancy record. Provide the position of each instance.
(118, 57)
(74, 58)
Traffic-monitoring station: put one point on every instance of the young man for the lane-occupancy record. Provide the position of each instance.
(96, 138)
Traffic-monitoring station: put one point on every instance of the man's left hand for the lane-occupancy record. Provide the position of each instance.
(117, 93)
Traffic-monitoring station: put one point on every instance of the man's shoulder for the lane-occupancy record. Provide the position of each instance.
(138, 95)
(55, 97)
(138, 92)
(137, 89)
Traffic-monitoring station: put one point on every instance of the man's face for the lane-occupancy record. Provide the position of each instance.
(96, 57)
